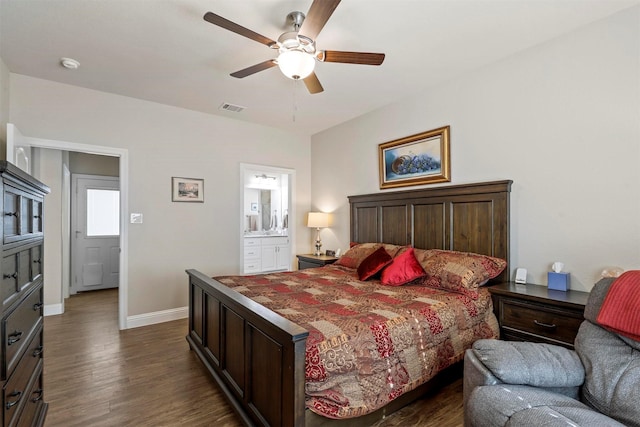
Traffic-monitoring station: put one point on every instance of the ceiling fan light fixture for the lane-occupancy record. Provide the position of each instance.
(296, 64)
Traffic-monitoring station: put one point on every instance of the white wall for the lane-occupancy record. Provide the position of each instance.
(561, 120)
(165, 141)
(4, 107)
(93, 164)
(47, 166)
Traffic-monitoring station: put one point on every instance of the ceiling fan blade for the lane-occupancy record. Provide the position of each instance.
(318, 15)
(238, 29)
(313, 84)
(254, 69)
(365, 58)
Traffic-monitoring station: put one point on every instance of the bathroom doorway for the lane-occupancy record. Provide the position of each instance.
(267, 210)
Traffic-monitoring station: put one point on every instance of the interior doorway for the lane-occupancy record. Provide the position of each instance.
(267, 207)
(123, 165)
(95, 228)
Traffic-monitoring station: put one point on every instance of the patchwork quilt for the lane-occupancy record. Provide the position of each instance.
(369, 343)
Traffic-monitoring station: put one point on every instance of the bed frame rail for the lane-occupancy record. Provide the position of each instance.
(256, 356)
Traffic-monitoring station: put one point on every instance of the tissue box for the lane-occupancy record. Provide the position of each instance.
(558, 281)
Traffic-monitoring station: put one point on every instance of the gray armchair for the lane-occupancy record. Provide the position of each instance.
(530, 384)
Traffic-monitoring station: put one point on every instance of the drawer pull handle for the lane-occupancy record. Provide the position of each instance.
(14, 337)
(545, 325)
(18, 395)
(37, 306)
(38, 351)
(10, 276)
(37, 261)
(36, 216)
(11, 214)
(38, 395)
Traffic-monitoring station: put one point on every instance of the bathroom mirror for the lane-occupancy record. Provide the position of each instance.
(265, 209)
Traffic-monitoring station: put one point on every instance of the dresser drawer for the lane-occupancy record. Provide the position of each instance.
(252, 252)
(302, 265)
(251, 242)
(252, 266)
(19, 327)
(21, 266)
(34, 409)
(539, 320)
(18, 391)
(35, 262)
(22, 214)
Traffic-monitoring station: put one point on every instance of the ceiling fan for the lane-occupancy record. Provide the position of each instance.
(297, 48)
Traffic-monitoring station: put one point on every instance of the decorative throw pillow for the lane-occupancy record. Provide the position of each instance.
(372, 264)
(359, 251)
(619, 311)
(356, 254)
(405, 268)
(460, 272)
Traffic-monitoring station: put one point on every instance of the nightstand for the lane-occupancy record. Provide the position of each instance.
(535, 313)
(313, 261)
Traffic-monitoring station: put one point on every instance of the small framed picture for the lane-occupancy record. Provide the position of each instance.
(254, 207)
(187, 190)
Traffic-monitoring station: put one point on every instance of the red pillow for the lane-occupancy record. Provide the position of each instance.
(372, 264)
(404, 269)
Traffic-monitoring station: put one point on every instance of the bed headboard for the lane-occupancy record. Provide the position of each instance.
(468, 218)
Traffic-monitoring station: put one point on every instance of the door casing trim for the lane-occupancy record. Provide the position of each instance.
(123, 155)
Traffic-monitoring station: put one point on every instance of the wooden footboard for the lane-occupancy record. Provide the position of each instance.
(255, 355)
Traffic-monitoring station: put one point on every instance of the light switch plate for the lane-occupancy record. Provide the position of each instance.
(136, 218)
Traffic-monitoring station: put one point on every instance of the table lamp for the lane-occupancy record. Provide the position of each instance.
(318, 220)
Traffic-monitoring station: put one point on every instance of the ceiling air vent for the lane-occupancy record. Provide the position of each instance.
(231, 107)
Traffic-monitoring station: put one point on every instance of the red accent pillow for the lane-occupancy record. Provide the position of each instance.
(619, 310)
(372, 264)
(404, 269)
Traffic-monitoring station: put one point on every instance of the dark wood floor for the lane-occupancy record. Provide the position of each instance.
(96, 375)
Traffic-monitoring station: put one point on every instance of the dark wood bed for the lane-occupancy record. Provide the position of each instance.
(257, 357)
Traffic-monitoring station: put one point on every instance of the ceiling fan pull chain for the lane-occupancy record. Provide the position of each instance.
(294, 99)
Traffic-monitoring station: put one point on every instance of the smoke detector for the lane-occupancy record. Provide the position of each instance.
(69, 63)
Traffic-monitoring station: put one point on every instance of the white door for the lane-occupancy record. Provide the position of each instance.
(95, 243)
(18, 149)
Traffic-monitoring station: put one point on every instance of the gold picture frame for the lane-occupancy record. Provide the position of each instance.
(423, 158)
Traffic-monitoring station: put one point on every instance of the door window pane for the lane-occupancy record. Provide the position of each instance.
(103, 213)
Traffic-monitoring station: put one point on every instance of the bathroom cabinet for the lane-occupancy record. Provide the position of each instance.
(266, 253)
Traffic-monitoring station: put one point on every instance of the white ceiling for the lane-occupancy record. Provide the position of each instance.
(163, 50)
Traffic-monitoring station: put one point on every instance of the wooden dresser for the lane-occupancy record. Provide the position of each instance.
(536, 313)
(21, 359)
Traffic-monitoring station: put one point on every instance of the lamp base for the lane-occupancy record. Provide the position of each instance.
(318, 243)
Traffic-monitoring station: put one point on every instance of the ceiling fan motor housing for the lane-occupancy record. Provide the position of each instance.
(297, 52)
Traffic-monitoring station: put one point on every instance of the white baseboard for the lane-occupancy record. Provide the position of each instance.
(53, 309)
(157, 317)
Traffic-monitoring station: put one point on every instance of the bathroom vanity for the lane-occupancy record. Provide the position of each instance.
(264, 253)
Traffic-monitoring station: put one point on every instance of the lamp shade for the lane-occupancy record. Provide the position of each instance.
(318, 220)
(296, 64)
